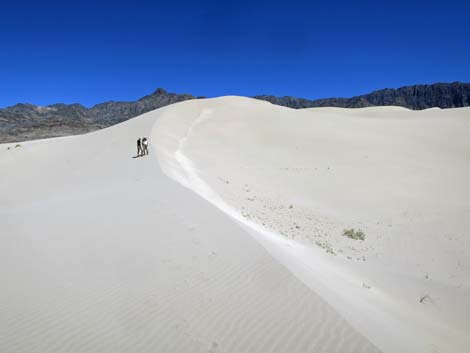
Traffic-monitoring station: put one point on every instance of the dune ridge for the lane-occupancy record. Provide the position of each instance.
(385, 291)
(102, 252)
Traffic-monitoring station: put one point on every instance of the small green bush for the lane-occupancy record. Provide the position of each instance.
(353, 234)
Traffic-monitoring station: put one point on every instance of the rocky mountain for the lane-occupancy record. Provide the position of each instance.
(441, 95)
(116, 112)
(27, 121)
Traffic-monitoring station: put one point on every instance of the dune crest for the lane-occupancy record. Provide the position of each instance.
(102, 252)
(297, 180)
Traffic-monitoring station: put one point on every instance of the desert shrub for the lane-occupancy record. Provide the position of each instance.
(354, 234)
(424, 299)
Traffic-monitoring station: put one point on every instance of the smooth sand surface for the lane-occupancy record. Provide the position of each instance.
(295, 179)
(102, 252)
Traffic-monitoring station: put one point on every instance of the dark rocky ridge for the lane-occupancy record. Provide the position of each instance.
(27, 121)
(441, 95)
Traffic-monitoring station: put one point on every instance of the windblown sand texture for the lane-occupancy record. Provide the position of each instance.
(102, 252)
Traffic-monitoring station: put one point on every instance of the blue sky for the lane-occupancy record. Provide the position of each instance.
(90, 52)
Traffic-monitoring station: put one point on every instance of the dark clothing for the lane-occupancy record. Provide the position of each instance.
(139, 148)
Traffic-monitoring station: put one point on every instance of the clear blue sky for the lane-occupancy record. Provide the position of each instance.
(89, 52)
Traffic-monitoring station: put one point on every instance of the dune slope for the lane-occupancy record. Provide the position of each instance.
(296, 180)
(102, 252)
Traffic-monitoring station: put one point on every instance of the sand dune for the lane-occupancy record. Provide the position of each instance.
(297, 179)
(102, 252)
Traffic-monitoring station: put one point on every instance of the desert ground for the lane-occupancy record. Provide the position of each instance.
(248, 228)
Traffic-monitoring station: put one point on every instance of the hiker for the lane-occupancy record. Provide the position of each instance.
(139, 148)
(145, 144)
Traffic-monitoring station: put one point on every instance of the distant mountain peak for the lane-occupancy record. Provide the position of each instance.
(159, 92)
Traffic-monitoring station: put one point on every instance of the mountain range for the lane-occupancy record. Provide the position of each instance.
(26, 121)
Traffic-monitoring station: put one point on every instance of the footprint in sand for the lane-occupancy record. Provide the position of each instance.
(214, 348)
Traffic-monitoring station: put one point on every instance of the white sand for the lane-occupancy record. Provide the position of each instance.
(100, 252)
(297, 179)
